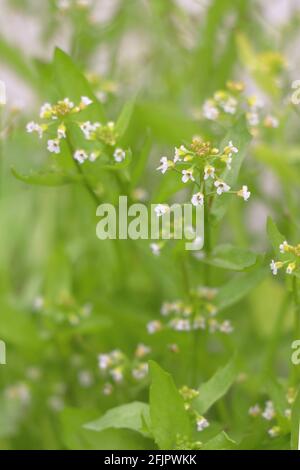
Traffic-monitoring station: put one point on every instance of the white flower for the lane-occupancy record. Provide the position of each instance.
(155, 248)
(274, 431)
(244, 193)
(142, 350)
(222, 187)
(46, 111)
(53, 146)
(254, 410)
(271, 122)
(104, 361)
(107, 389)
(252, 118)
(163, 167)
(197, 199)
(210, 111)
(119, 155)
(291, 267)
(202, 424)
(68, 103)
(226, 327)
(179, 324)
(85, 378)
(154, 326)
(93, 156)
(80, 156)
(187, 175)
(230, 149)
(180, 152)
(161, 209)
(56, 403)
(209, 171)
(230, 105)
(61, 131)
(140, 372)
(269, 411)
(87, 128)
(117, 374)
(275, 265)
(34, 127)
(85, 101)
(283, 247)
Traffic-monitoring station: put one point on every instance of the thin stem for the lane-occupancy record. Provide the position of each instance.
(295, 370)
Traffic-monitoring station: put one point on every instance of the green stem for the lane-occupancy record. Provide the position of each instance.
(207, 236)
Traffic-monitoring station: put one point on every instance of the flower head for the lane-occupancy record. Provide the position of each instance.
(197, 199)
(275, 265)
(202, 423)
(244, 193)
(80, 156)
(209, 172)
(119, 155)
(222, 187)
(187, 175)
(165, 164)
(53, 146)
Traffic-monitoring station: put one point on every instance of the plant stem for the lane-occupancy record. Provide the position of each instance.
(207, 237)
(295, 369)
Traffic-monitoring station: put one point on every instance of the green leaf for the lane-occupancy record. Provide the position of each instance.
(169, 419)
(216, 387)
(239, 287)
(46, 178)
(129, 416)
(72, 83)
(220, 442)
(276, 238)
(230, 257)
(295, 435)
(240, 137)
(124, 118)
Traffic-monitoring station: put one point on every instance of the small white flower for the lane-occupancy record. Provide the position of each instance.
(155, 248)
(154, 326)
(161, 209)
(180, 152)
(210, 111)
(230, 105)
(104, 361)
(271, 122)
(80, 156)
(202, 424)
(93, 156)
(140, 372)
(107, 389)
(53, 146)
(209, 172)
(230, 149)
(179, 324)
(254, 411)
(142, 350)
(87, 128)
(119, 155)
(275, 265)
(269, 411)
(56, 403)
(226, 327)
(274, 431)
(244, 193)
(61, 131)
(252, 118)
(164, 165)
(187, 175)
(283, 247)
(291, 267)
(117, 374)
(85, 101)
(34, 127)
(222, 187)
(85, 378)
(46, 111)
(68, 103)
(197, 199)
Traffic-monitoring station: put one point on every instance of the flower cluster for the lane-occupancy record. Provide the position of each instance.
(269, 413)
(197, 315)
(188, 395)
(117, 368)
(290, 259)
(233, 101)
(55, 119)
(200, 163)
